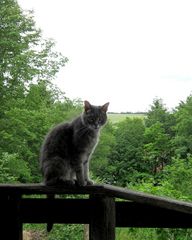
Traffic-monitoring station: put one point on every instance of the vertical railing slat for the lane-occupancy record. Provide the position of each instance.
(10, 222)
(102, 226)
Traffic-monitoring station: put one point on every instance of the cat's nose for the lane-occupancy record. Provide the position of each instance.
(96, 126)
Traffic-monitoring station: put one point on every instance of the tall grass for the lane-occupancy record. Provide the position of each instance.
(117, 117)
(135, 234)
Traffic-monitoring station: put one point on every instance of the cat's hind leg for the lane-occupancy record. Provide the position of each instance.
(68, 175)
(57, 172)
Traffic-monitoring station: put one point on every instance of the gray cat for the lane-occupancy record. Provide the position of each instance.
(67, 148)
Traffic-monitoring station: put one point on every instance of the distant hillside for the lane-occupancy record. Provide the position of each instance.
(117, 117)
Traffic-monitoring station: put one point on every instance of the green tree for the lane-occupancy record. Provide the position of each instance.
(157, 138)
(157, 148)
(178, 174)
(100, 163)
(30, 103)
(24, 56)
(159, 113)
(13, 168)
(5, 175)
(183, 128)
(25, 128)
(127, 153)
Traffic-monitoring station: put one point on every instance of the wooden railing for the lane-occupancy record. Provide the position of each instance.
(102, 209)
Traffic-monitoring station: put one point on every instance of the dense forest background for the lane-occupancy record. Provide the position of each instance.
(151, 154)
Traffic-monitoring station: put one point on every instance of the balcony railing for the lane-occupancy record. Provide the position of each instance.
(101, 209)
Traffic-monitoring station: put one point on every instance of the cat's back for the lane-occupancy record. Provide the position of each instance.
(59, 131)
(57, 138)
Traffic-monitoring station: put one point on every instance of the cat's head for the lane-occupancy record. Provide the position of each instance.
(95, 117)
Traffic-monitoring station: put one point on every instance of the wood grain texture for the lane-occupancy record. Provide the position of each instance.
(102, 224)
(107, 190)
(101, 209)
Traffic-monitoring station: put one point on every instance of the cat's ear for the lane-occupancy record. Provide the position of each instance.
(87, 106)
(104, 108)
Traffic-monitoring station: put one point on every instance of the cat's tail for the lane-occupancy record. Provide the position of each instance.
(50, 224)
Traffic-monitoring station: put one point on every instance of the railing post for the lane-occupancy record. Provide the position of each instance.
(102, 226)
(10, 224)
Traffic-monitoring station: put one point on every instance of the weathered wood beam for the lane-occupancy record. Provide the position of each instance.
(149, 199)
(80, 211)
(102, 224)
(131, 214)
(10, 218)
(77, 211)
(107, 190)
(100, 210)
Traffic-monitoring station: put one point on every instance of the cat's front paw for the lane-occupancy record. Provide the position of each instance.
(90, 182)
(81, 183)
(69, 183)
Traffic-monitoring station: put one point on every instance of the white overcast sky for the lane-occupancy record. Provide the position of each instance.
(122, 51)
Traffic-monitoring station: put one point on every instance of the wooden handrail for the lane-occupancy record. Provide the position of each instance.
(99, 209)
(105, 189)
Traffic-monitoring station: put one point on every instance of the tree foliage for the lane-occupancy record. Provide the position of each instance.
(24, 55)
(100, 165)
(30, 103)
(183, 128)
(126, 155)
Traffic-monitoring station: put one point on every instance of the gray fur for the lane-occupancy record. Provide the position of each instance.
(66, 151)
